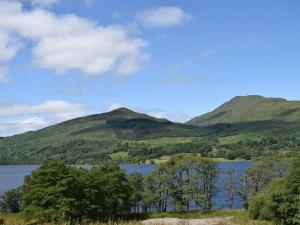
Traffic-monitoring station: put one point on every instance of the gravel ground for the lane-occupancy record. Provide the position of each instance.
(176, 221)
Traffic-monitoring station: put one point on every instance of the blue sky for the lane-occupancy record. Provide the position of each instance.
(61, 59)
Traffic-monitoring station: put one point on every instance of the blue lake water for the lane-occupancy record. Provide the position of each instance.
(11, 176)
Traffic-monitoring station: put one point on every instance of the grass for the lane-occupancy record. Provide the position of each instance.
(15, 219)
(219, 160)
(11, 219)
(162, 159)
(167, 140)
(242, 218)
(165, 158)
(119, 155)
(238, 217)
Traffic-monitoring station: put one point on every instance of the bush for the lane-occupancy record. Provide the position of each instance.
(11, 201)
(281, 201)
(256, 206)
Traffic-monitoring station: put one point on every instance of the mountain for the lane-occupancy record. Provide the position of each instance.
(249, 109)
(91, 138)
(244, 127)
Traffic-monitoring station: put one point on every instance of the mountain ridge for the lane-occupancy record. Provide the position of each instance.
(250, 108)
(137, 136)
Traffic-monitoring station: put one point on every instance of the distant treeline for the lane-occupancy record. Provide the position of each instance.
(84, 151)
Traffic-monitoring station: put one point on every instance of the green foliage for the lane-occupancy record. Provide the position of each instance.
(281, 201)
(248, 149)
(58, 191)
(137, 183)
(180, 181)
(11, 201)
(258, 177)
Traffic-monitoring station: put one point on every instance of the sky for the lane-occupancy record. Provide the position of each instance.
(61, 59)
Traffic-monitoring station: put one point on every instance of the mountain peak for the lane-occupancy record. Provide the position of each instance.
(122, 110)
(251, 108)
(256, 97)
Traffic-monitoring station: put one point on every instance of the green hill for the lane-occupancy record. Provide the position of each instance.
(244, 127)
(251, 108)
(92, 138)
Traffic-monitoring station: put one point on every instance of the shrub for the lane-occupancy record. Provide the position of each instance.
(281, 201)
(256, 206)
(11, 201)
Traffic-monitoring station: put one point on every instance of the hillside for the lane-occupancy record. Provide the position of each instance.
(241, 128)
(251, 108)
(92, 138)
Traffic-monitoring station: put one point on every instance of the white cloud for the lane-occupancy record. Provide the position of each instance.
(8, 47)
(66, 42)
(43, 3)
(178, 117)
(58, 110)
(206, 53)
(19, 118)
(116, 106)
(4, 79)
(20, 126)
(166, 16)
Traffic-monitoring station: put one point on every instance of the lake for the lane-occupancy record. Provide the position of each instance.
(11, 176)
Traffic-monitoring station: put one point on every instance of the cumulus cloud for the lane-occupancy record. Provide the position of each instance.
(116, 106)
(57, 109)
(3, 76)
(19, 126)
(67, 42)
(166, 16)
(19, 118)
(43, 3)
(8, 47)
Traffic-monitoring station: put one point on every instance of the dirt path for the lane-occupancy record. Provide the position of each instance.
(176, 221)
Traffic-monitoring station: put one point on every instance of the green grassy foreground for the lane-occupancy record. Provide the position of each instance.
(238, 217)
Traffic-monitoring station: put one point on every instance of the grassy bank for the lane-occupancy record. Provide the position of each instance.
(165, 158)
(238, 217)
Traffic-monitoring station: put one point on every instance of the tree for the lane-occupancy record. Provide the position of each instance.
(11, 201)
(259, 176)
(110, 192)
(56, 191)
(137, 184)
(230, 186)
(157, 189)
(179, 172)
(205, 174)
(181, 181)
(281, 200)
